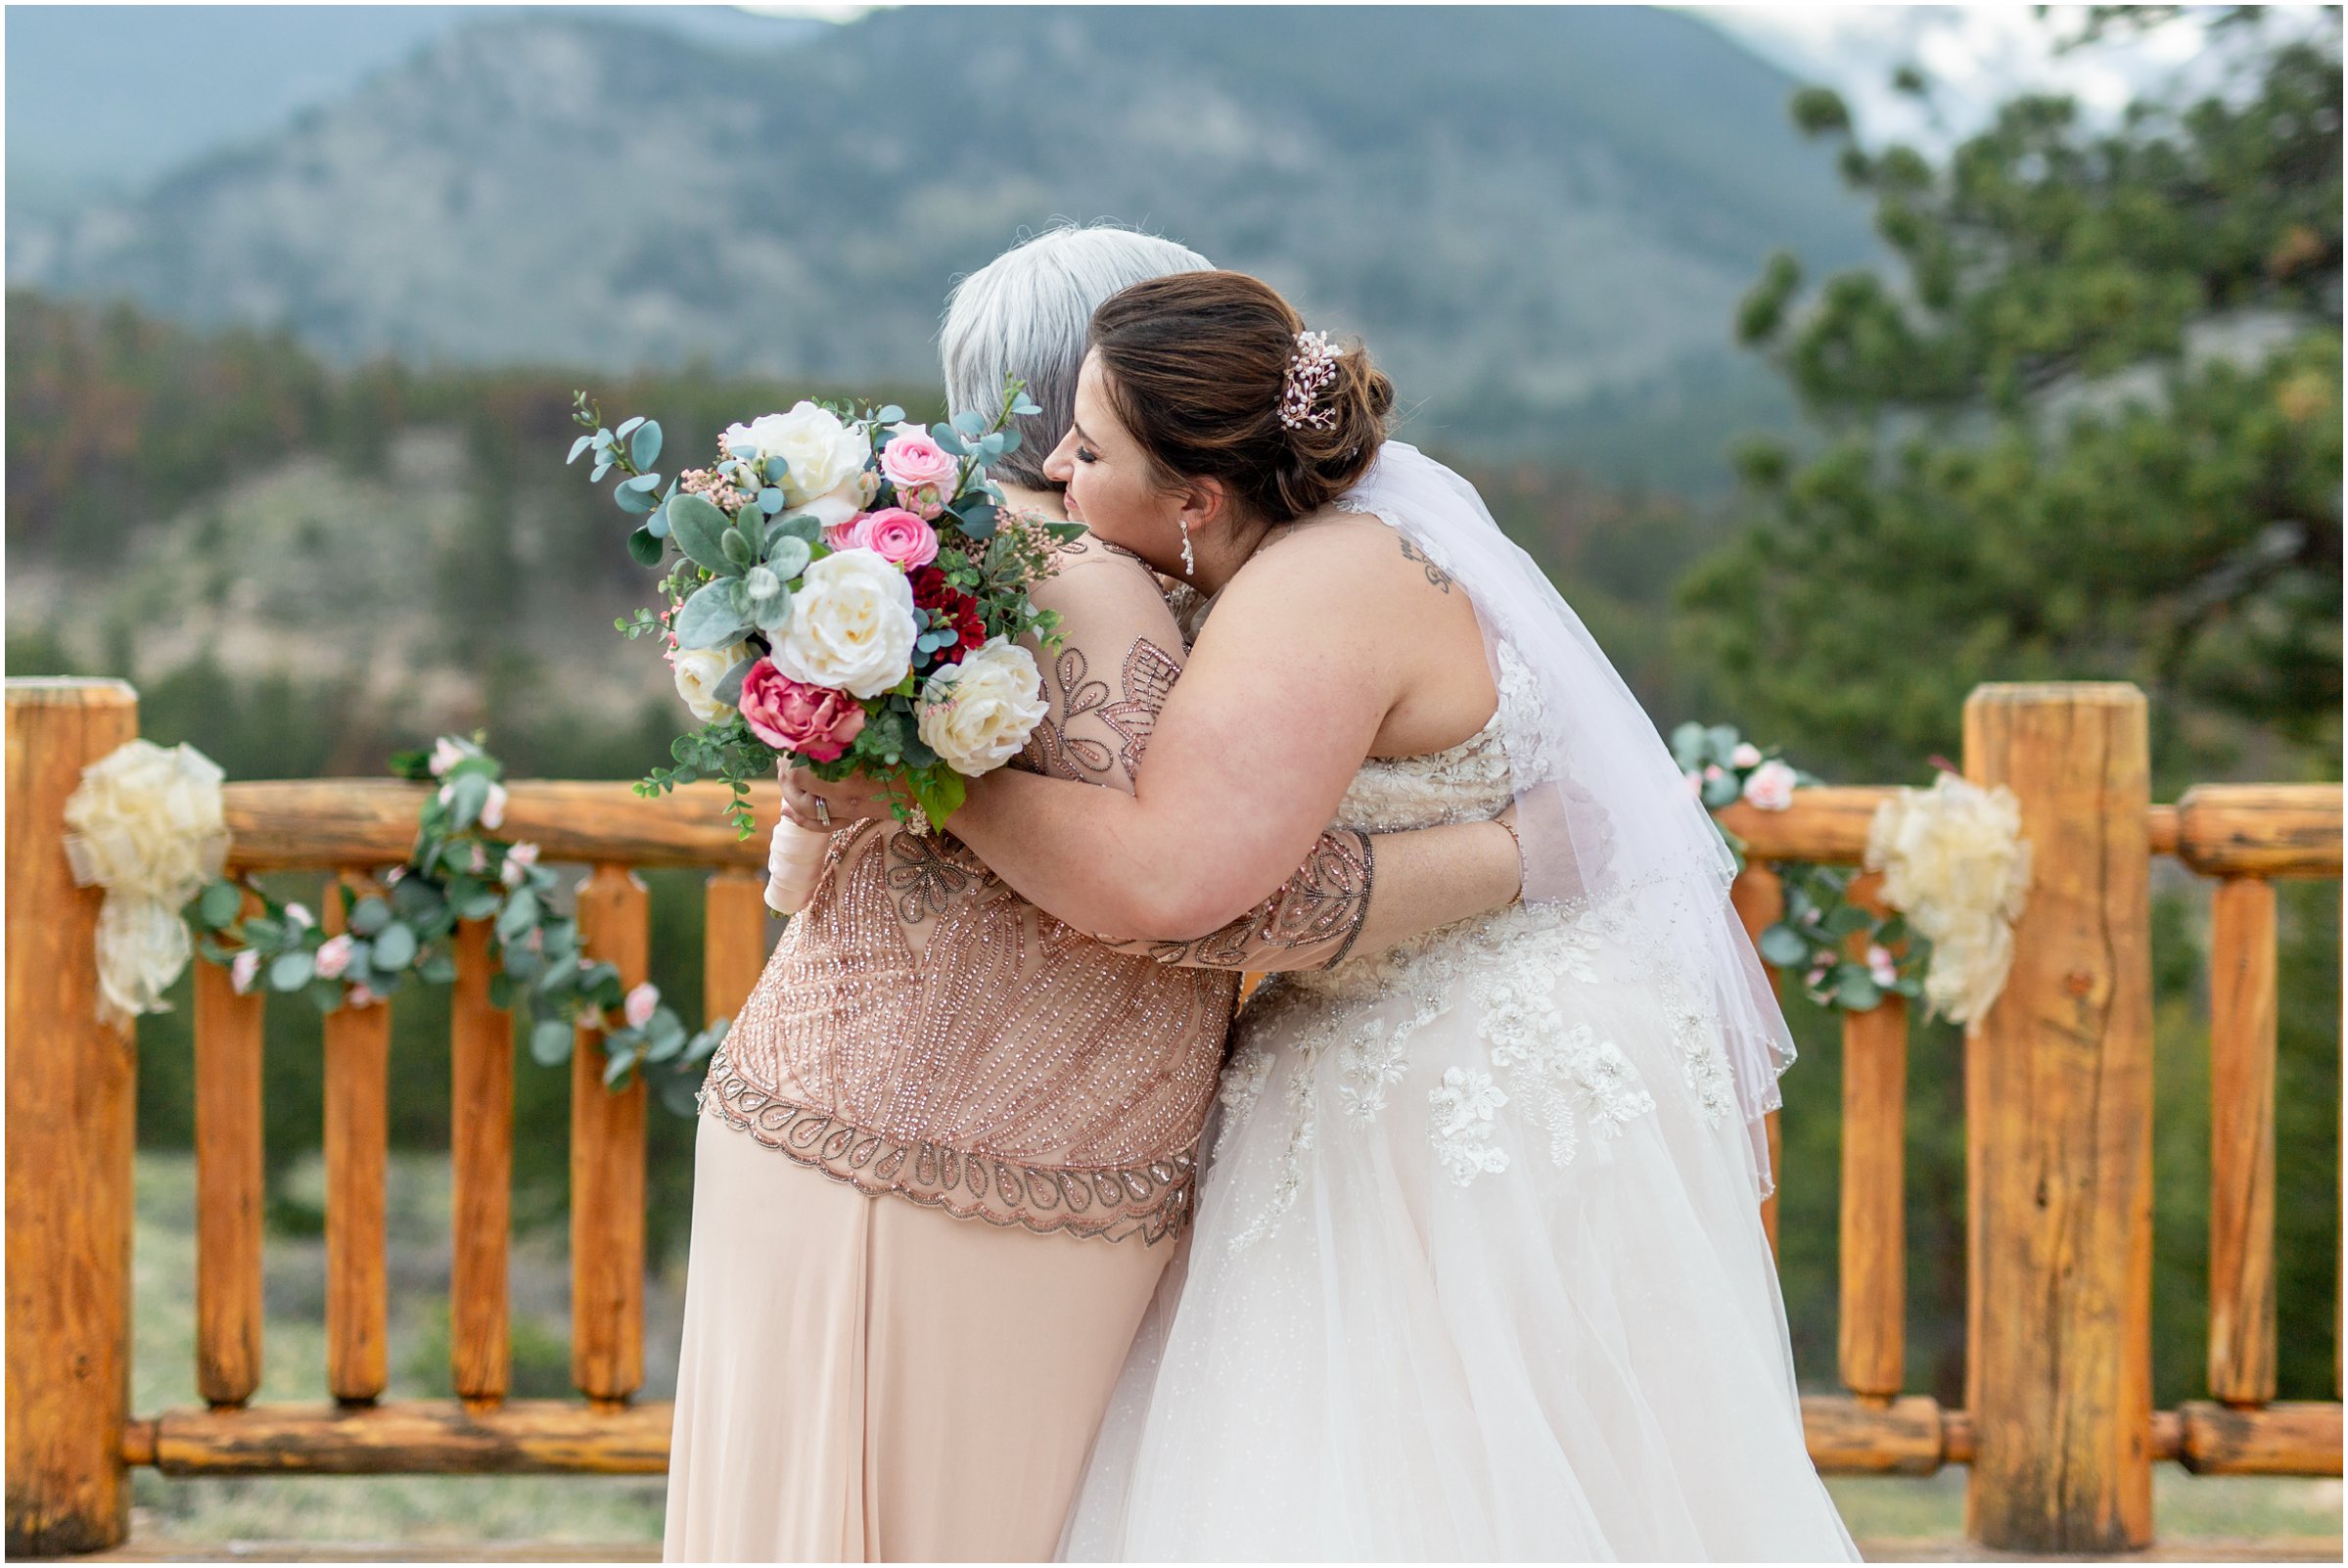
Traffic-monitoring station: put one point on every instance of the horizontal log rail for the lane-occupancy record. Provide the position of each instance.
(1913, 1435)
(2220, 830)
(294, 824)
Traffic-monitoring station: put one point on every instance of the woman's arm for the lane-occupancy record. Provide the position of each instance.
(1280, 701)
(1358, 893)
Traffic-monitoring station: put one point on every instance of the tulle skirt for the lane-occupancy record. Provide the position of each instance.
(1478, 1273)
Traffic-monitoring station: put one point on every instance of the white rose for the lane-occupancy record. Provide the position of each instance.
(1771, 786)
(699, 670)
(827, 457)
(978, 714)
(851, 626)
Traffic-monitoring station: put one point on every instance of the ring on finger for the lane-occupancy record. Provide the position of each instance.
(823, 812)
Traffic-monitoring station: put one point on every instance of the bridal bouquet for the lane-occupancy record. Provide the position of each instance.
(841, 591)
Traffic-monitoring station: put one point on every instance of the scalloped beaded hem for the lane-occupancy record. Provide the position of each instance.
(1110, 1204)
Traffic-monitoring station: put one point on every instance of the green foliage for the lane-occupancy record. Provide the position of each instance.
(2093, 430)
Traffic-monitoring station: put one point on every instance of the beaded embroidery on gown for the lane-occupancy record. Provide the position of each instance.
(1477, 1269)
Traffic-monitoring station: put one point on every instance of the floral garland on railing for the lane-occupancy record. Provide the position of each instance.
(458, 870)
(1956, 875)
(1810, 939)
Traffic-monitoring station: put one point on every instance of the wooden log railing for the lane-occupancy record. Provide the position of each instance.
(2058, 1429)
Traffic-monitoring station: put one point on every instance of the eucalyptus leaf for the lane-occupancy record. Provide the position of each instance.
(396, 948)
(326, 995)
(369, 915)
(1720, 791)
(501, 991)
(1859, 994)
(1782, 945)
(637, 502)
(969, 422)
(646, 447)
(618, 1066)
(770, 501)
(644, 547)
(889, 415)
(576, 448)
(290, 971)
(467, 794)
(627, 425)
(521, 912)
(440, 969)
(550, 1042)
(220, 903)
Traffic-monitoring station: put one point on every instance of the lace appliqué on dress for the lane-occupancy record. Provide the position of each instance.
(1463, 1106)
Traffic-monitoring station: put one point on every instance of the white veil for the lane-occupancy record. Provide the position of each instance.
(1604, 814)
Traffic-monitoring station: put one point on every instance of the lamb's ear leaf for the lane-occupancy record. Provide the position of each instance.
(699, 530)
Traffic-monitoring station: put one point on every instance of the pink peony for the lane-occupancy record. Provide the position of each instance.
(639, 1005)
(897, 536)
(334, 957)
(243, 969)
(922, 471)
(816, 722)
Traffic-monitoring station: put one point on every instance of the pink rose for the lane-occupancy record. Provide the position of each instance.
(299, 914)
(492, 811)
(1746, 754)
(243, 969)
(360, 996)
(1771, 786)
(334, 957)
(843, 534)
(639, 1003)
(816, 722)
(518, 861)
(1881, 967)
(895, 535)
(922, 471)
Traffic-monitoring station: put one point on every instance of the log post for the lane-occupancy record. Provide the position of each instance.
(733, 941)
(71, 1116)
(606, 1161)
(2058, 1137)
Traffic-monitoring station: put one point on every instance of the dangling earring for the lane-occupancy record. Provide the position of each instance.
(1189, 561)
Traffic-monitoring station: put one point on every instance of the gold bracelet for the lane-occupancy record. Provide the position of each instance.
(1513, 838)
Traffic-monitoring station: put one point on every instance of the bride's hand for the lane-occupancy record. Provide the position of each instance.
(845, 802)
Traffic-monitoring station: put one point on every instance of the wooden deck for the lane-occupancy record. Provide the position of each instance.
(2279, 1549)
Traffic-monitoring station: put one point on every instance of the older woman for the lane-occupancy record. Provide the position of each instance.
(950, 1143)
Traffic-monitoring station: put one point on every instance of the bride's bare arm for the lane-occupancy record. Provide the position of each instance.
(1282, 698)
(1106, 687)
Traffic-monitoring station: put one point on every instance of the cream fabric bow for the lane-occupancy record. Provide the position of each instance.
(146, 825)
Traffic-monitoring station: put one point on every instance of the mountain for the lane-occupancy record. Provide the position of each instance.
(1540, 218)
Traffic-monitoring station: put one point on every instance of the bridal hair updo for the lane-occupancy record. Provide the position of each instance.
(1216, 377)
(1026, 312)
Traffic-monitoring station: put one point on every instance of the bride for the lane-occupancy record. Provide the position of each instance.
(1477, 1269)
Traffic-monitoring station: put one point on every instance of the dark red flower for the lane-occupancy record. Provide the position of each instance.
(952, 607)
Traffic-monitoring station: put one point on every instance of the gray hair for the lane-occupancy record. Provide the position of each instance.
(1026, 312)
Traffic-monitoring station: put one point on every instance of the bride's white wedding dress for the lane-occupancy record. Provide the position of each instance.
(1478, 1269)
